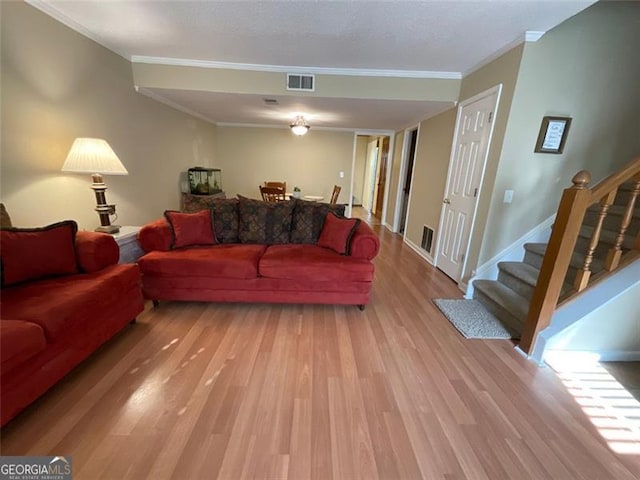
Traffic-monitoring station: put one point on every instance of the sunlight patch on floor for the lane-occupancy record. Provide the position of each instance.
(611, 408)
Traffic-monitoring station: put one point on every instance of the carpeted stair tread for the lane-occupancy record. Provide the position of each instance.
(577, 258)
(522, 271)
(616, 210)
(606, 236)
(515, 305)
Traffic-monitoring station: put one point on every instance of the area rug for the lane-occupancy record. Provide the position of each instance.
(471, 319)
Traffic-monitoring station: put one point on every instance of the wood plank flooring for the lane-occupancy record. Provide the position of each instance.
(230, 391)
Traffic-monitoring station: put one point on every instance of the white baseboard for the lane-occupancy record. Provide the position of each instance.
(418, 250)
(513, 253)
(600, 356)
(389, 227)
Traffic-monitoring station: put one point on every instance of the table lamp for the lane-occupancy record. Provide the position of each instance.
(95, 156)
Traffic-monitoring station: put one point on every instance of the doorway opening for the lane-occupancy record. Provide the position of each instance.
(371, 159)
(411, 141)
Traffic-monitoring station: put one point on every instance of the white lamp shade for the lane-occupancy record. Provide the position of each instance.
(93, 155)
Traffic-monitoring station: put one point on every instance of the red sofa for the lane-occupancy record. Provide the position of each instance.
(50, 324)
(233, 271)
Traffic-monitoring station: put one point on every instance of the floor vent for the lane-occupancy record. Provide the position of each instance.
(296, 81)
(427, 238)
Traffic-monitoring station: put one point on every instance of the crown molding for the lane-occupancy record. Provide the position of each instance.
(528, 36)
(283, 126)
(351, 72)
(533, 35)
(170, 103)
(57, 15)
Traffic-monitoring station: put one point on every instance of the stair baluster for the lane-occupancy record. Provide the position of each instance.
(615, 253)
(583, 275)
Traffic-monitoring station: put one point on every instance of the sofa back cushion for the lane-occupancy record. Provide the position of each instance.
(337, 232)
(32, 253)
(226, 219)
(5, 219)
(191, 228)
(308, 219)
(267, 223)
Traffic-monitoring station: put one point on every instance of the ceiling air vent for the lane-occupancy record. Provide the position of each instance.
(304, 82)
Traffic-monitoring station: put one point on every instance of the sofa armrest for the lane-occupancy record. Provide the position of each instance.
(95, 251)
(156, 235)
(364, 242)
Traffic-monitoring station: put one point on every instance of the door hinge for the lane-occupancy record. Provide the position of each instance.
(475, 192)
(490, 117)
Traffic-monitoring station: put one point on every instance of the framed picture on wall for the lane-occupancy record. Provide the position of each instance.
(553, 134)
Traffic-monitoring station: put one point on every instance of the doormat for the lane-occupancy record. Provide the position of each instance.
(472, 319)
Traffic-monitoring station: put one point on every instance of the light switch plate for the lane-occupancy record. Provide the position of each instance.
(508, 196)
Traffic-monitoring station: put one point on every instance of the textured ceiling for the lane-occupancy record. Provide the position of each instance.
(428, 36)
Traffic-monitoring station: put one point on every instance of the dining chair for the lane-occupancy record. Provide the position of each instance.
(272, 194)
(276, 184)
(335, 194)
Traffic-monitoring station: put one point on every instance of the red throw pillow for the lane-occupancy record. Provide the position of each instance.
(191, 228)
(337, 232)
(32, 253)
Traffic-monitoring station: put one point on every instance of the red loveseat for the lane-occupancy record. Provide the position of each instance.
(239, 268)
(63, 296)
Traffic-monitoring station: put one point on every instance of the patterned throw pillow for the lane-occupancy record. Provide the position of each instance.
(264, 223)
(5, 219)
(308, 219)
(226, 220)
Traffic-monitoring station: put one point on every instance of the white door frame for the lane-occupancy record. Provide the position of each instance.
(497, 90)
(404, 164)
(384, 133)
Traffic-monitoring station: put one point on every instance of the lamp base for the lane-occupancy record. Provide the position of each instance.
(108, 229)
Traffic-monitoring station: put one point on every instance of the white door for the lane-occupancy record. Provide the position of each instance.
(466, 168)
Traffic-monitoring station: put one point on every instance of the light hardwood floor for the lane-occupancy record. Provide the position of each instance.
(229, 391)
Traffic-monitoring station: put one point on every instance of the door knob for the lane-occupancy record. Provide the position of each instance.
(447, 201)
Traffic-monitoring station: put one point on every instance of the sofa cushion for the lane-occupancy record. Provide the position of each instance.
(70, 302)
(191, 228)
(311, 262)
(226, 219)
(19, 341)
(266, 223)
(308, 219)
(32, 253)
(226, 261)
(337, 232)
(95, 251)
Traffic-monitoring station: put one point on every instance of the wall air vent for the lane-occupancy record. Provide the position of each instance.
(427, 238)
(301, 82)
(270, 101)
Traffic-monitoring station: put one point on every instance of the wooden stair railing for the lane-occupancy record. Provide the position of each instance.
(573, 205)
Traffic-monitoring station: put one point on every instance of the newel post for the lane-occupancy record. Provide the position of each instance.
(555, 264)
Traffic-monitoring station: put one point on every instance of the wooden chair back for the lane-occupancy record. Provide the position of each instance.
(335, 194)
(276, 184)
(272, 194)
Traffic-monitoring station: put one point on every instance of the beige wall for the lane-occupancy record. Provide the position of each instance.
(430, 174)
(273, 83)
(502, 71)
(394, 178)
(358, 169)
(58, 85)
(248, 156)
(586, 68)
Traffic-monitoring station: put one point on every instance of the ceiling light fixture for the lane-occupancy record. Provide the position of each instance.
(300, 126)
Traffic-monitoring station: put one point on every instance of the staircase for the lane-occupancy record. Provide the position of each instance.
(509, 297)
